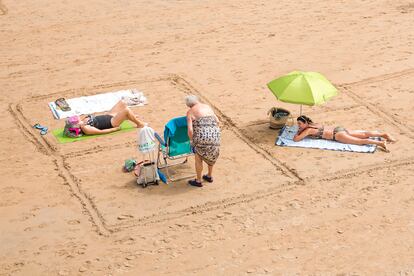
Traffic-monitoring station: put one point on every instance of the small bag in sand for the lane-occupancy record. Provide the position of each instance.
(278, 117)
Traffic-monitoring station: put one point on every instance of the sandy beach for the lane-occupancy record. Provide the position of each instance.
(68, 209)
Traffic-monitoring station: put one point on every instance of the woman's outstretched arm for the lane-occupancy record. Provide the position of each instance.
(300, 135)
(89, 130)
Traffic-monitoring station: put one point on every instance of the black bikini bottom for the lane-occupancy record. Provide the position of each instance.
(103, 121)
(336, 130)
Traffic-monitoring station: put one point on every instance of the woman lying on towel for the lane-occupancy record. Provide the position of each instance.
(102, 124)
(307, 128)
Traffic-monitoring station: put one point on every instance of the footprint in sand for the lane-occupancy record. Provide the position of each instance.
(73, 222)
(3, 9)
(125, 240)
(406, 8)
(125, 216)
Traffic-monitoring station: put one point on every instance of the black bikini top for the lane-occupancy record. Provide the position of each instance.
(319, 134)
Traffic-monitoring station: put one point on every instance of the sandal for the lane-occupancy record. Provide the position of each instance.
(195, 183)
(62, 104)
(208, 178)
(43, 129)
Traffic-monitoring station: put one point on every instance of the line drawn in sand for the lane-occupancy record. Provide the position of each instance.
(182, 83)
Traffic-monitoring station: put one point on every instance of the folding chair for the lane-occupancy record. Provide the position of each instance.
(175, 145)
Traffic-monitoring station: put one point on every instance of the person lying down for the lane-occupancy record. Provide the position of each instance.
(307, 128)
(110, 122)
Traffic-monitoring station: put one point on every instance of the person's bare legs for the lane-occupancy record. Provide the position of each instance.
(346, 138)
(198, 167)
(121, 105)
(210, 171)
(125, 114)
(367, 134)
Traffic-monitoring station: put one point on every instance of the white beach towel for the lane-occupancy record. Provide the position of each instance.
(98, 103)
(285, 139)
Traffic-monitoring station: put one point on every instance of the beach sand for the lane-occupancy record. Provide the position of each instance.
(68, 209)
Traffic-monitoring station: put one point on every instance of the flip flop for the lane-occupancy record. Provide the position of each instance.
(208, 178)
(37, 126)
(195, 183)
(62, 104)
(43, 129)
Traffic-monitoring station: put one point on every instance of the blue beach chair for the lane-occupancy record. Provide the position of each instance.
(175, 145)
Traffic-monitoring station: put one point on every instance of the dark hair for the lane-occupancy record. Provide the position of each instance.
(304, 119)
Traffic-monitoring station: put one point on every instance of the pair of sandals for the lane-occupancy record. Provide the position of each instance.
(131, 101)
(43, 129)
(62, 104)
(195, 183)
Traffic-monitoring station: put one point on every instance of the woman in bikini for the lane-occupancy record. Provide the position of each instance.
(307, 128)
(107, 123)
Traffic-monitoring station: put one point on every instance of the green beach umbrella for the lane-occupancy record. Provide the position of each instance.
(308, 88)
